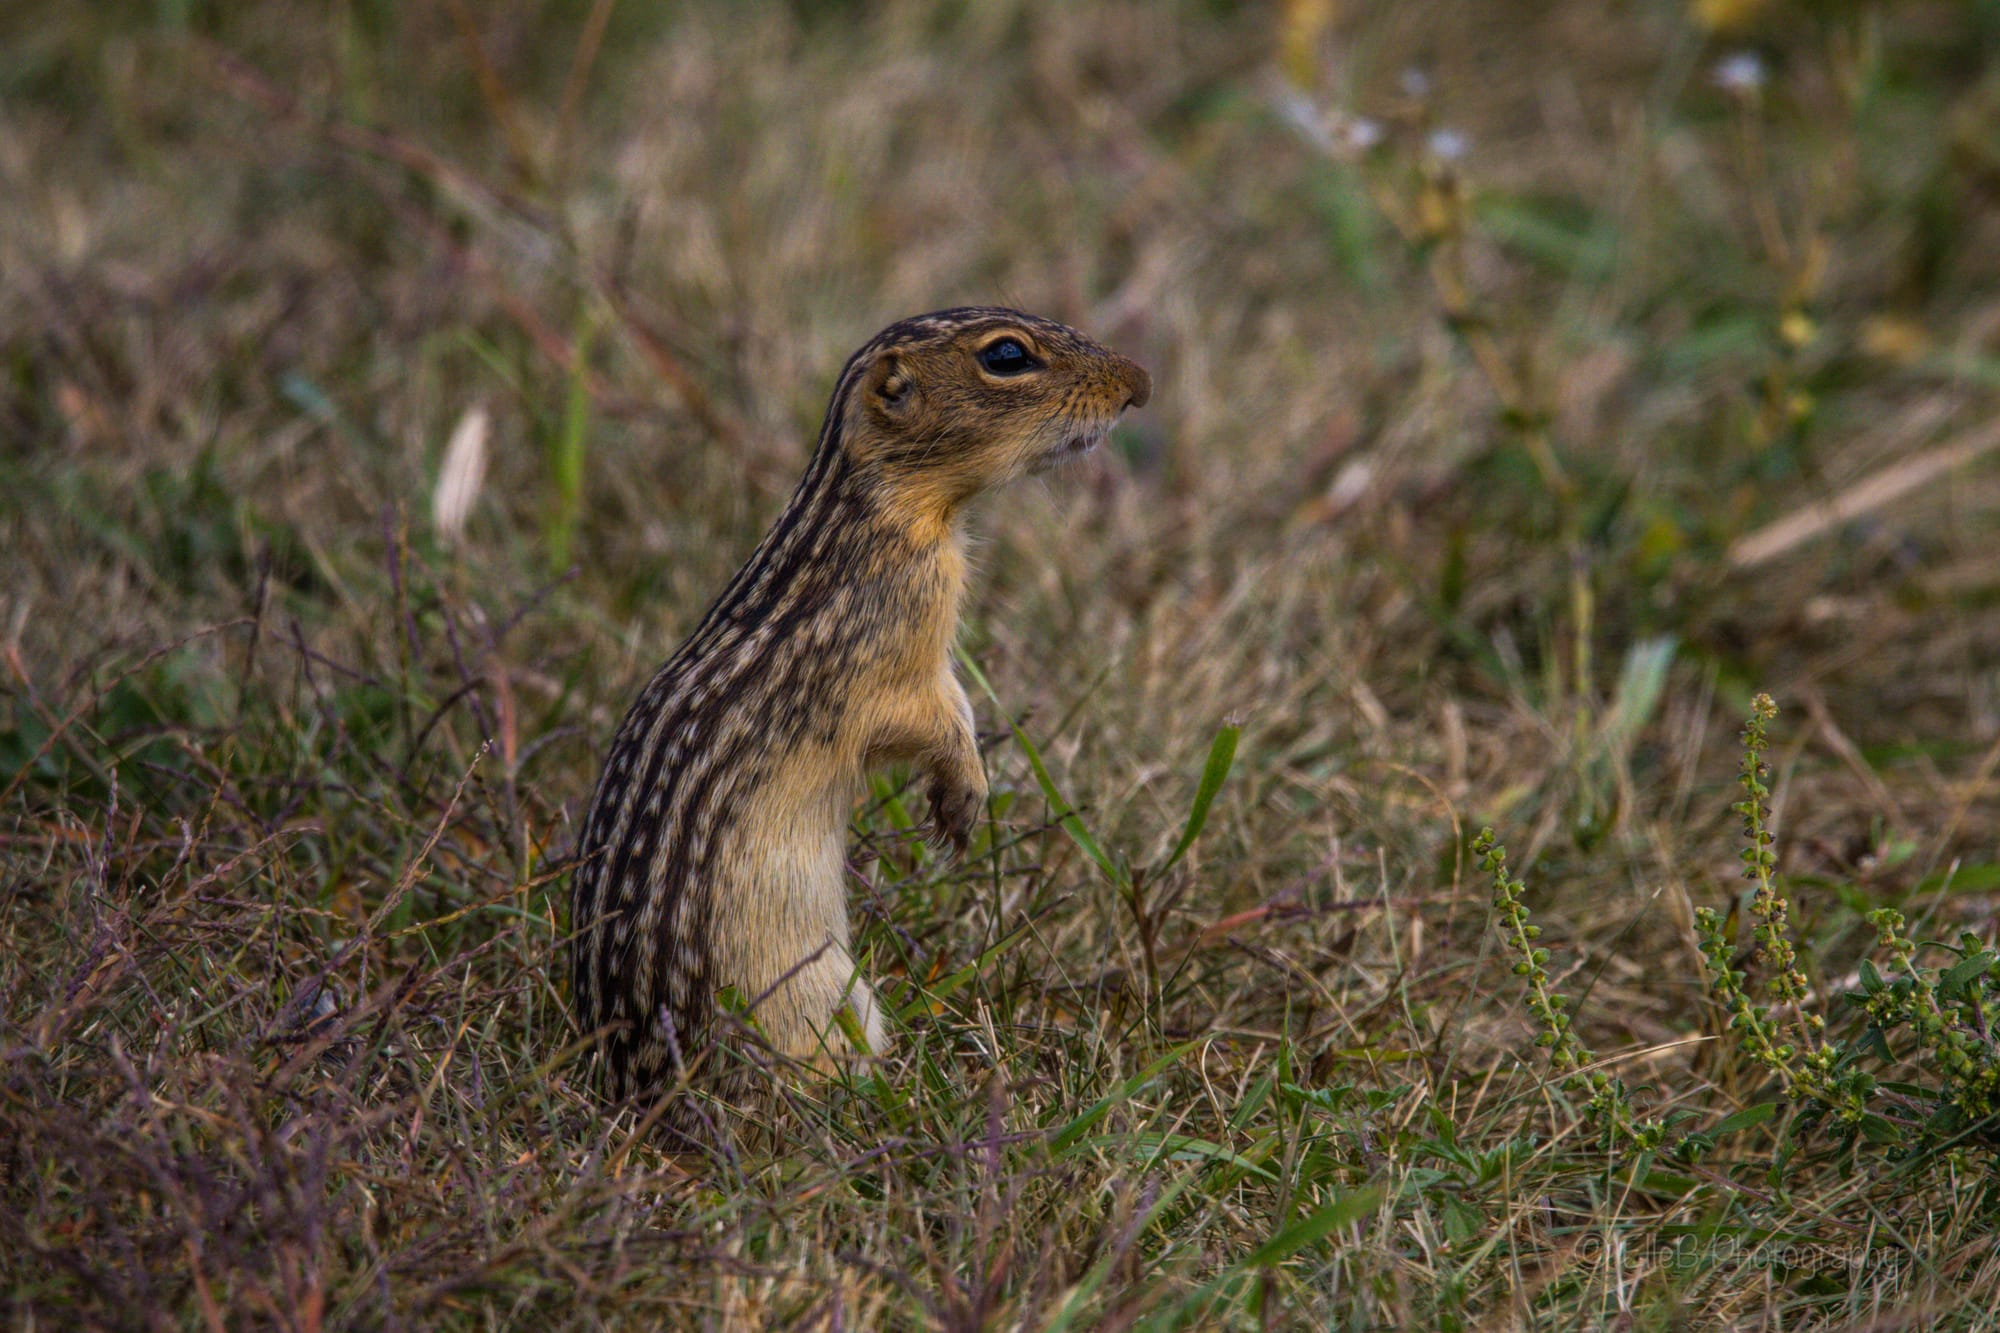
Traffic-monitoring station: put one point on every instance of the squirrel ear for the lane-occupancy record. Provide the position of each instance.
(888, 385)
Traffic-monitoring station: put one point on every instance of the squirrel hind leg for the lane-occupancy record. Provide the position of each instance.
(826, 1015)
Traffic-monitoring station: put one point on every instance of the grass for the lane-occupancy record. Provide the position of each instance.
(1509, 362)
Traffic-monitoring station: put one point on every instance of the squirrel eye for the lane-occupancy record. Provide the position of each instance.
(1006, 357)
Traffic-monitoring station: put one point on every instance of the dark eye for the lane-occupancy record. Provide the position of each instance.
(1006, 357)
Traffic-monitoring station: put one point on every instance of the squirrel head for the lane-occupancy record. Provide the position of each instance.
(945, 405)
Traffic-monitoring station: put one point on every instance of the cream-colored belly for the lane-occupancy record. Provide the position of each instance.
(780, 915)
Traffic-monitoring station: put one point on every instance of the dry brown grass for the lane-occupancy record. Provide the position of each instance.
(1436, 496)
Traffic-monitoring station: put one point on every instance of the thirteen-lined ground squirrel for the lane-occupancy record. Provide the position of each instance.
(714, 850)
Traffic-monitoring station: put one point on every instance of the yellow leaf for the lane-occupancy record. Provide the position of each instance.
(1894, 338)
(1303, 24)
(1724, 16)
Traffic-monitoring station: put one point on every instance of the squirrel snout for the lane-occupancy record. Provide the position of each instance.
(1138, 384)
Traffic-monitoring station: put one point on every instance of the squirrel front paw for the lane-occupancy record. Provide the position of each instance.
(955, 814)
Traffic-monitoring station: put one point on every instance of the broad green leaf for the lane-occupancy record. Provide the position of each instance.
(1744, 1119)
(1956, 982)
(1878, 1129)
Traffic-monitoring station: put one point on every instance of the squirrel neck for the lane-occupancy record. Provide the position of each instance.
(912, 509)
(847, 522)
(921, 520)
(923, 511)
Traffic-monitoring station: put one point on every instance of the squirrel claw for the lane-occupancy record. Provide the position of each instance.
(954, 816)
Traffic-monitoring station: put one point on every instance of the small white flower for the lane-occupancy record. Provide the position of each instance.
(1739, 72)
(1349, 485)
(1360, 133)
(1339, 134)
(1298, 111)
(1414, 83)
(1447, 144)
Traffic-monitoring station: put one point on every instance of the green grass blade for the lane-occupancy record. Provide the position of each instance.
(1065, 813)
(566, 457)
(1078, 1127)
(1315, 1226)
(1214, 772)
(1641, 682)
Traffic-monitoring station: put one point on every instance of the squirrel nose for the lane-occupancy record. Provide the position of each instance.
(1138, 384)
